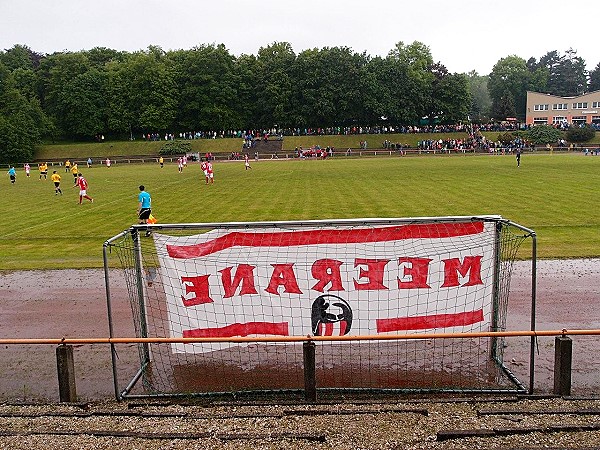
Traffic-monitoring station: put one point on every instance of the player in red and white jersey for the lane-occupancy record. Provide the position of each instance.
(83, 186)
(204, 167)
(209, 172)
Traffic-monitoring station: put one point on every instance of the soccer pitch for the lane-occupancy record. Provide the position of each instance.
(551, 194)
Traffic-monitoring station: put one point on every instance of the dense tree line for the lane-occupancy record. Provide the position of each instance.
(118, 94)
(79, 95)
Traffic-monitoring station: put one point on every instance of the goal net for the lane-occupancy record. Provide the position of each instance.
(231, 295)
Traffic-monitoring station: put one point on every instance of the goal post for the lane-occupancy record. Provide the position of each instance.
(230, 295)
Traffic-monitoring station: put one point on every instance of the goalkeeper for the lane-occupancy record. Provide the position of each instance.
(144, 207)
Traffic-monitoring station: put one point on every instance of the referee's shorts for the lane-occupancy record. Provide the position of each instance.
(145, 213)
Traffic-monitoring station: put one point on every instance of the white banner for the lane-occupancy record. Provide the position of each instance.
(328, 281)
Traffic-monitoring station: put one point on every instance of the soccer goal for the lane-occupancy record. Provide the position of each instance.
(226, 307)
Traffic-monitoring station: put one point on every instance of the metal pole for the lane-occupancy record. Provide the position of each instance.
(137, 251)
(113, 350)
(310, 379)
(533, 306)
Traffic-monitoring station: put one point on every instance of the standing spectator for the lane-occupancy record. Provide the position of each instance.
(518, 157)
(83, 186)
(144, 207)
(56, 179)
(12, 174)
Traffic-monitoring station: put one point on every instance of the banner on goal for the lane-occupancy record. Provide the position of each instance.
(353, 280)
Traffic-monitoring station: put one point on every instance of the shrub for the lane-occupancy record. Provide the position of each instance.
(544, 134)
(506, 138)
(175, 148)
(583, 134)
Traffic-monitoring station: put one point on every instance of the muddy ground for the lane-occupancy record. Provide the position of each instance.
(72, 303)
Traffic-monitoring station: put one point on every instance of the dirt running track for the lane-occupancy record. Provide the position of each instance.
(72, 303)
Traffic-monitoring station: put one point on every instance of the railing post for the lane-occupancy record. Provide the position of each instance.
(310, 380)
(66, 373)
(563, 355)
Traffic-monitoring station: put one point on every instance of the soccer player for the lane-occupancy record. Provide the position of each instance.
(74, 171)
(67, 165)
(161, 161)
(209, 171)
(144, 207)
(27, 170)
(247, 161)
(43, 171)
(56, 179)
(204, 168)
(83, 186)
(12, 173)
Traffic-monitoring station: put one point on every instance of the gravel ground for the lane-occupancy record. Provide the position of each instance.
(399, 425)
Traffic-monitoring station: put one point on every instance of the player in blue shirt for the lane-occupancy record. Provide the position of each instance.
(144, 207)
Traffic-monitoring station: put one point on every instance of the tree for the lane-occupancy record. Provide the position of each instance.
(565, 75)
(508, 84)
(595, 79)
(328, 87)
(20, 121)
(449, 97)
(481, 103)
(505, 107)
(20, 57)
(275, 84)
(207, 85)
(570, 77)
(143, 92)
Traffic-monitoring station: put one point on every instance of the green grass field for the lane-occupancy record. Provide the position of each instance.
(552, 194)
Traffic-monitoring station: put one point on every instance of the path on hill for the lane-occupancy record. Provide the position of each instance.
(72, 303)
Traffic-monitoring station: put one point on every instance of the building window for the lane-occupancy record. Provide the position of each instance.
(578, 119)
(580, 105)
(596, 119)
(559, 106)
(595, 104)
(540, 107)
(540, 120)
(559, 119)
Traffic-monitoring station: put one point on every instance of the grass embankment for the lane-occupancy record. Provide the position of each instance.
(98, 151)
(102, 150)
(552, 194)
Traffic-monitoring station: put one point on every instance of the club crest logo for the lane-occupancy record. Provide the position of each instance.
(331, 316)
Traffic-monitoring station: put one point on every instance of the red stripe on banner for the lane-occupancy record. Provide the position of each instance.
(240, 329)
(432, 321)
(328, 329)
(327, 236)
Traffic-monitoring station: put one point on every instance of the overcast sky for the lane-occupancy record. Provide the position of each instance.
(463, 35)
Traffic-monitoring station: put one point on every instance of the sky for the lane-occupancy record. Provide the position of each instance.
(463, 35)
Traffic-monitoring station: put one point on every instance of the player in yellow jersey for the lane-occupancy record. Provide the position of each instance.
(56, 179)
(74, 171)
(43, 171)
(67, 165)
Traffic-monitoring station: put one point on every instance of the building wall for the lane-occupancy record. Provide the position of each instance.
(553, 109)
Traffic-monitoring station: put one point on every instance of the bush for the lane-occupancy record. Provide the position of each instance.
(506, 138)
(175, 148)
(583, 134)
(544, 134)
